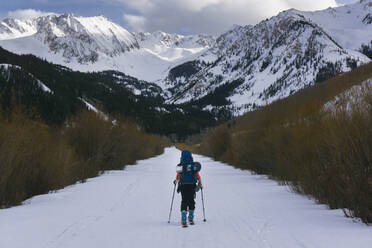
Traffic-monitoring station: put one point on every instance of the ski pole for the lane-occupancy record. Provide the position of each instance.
(201, 190)
(174, 189)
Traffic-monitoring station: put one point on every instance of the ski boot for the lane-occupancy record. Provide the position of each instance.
(184, 217)
(191, 217)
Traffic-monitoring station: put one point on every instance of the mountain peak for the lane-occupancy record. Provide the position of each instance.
(252, 66)
(266, 61)
(68, 15)
(77, 38)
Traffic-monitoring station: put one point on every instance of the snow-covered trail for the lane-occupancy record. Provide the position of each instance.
(130, 208)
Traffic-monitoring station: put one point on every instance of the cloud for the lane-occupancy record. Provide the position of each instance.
(135, 22)
(27, 13)
(208, 16)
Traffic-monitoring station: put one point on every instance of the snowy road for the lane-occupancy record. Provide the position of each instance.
(130, 209)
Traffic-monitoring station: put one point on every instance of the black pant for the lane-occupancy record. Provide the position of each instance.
(188, 195)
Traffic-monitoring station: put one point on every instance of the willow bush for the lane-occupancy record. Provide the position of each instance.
(36, 158)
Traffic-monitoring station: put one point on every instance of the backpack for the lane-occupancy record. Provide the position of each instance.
(189, 168)
(188, 174)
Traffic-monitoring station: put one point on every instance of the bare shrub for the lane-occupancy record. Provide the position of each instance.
(35, 159)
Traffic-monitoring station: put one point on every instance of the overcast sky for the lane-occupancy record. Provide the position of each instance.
(173, 16)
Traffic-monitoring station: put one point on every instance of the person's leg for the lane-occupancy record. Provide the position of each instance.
(191, 216)
(183, 190)
(189, 195)
(183, 217)
(184, 195)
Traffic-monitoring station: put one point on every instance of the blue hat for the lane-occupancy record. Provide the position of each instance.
(186, 157)
(186, 154)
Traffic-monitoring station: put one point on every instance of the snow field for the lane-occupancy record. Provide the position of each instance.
(130, 208)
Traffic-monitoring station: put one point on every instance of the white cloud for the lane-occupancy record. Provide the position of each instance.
(135, 22)
(138, 4)
(27, 13)
(210, 16)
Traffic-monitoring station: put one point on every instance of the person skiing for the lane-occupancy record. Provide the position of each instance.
(189, 181)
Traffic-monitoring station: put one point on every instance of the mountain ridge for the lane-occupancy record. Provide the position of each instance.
(257, 64)
(278, 56)
(97, 44)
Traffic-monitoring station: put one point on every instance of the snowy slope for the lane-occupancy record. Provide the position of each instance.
(97, 44)
(356, 96)
(278, 56)
(130, 208)
(173, 47)
(14, 28)
(74, 38)
(349, 25)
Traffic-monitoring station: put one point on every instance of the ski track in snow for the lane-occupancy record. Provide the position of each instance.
(130, 208)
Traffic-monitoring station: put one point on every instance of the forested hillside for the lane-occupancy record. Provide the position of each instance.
(111, 92)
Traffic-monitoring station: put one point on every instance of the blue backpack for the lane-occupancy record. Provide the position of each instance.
(189, 168)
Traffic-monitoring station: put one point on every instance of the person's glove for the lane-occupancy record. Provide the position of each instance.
(175, 181)
(200, 185)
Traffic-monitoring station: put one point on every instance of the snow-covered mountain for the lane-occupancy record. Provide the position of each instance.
(75, 38)
(258, 64)
(245, 67)
(97, 44)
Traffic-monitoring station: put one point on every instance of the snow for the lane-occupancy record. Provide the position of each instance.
(137, 92)
(146, 56)
(44, 87)
(344, 23)
(7, 66)
(104, 31)
(144, 63)
(132, 206)
(161, 109)
(208, 108)
(94, 109)
(15, 28)
(350, 98)
(90, 106)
